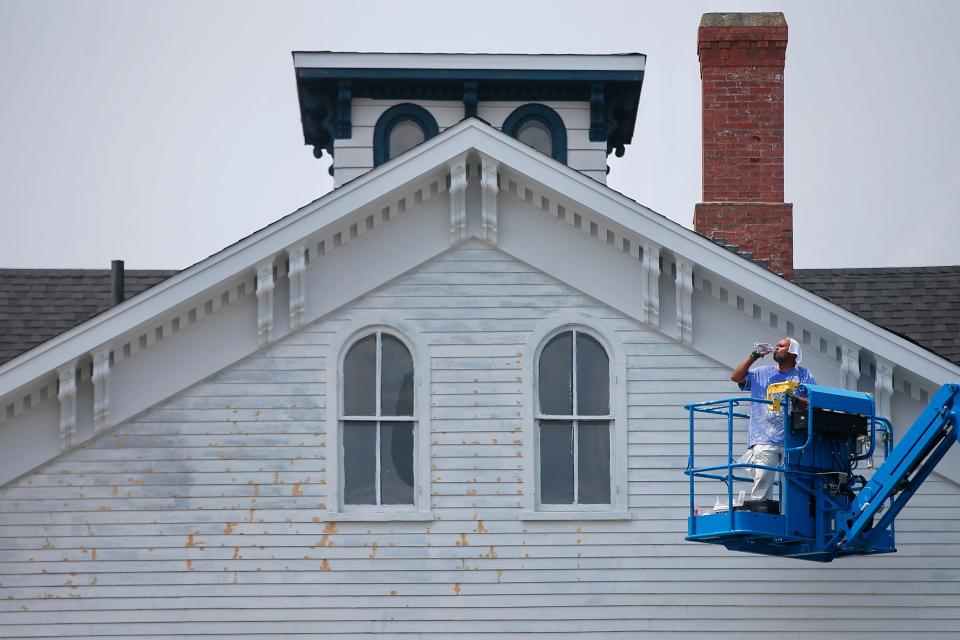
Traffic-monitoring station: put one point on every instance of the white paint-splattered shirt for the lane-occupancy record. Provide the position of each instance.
(766, 426)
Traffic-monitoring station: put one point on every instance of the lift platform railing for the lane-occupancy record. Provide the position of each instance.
(726, 408)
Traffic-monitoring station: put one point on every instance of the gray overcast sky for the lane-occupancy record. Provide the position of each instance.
(161, 132)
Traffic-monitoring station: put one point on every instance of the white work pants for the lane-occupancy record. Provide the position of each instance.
(763, 479)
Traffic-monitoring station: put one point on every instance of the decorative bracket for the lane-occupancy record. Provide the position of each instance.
(297, 277)
(650, 284)
(67, 395)
(684, 282)
(489, 189)
(264, 301)
(469, 99)
(101, 388)
(342, 125)
(598, 113)
(458, 198)
(849, 366)
(883, 387)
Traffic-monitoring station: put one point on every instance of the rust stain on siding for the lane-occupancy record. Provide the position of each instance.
(229, 527)
(373, 551)
(456, 588)
(325, 565)
(297, 491)
(190, 565)
(192, 542)
(236, 554)
(330, 527)
(463, 542)
(480, 528)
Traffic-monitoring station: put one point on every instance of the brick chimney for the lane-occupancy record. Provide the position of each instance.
(741, 67)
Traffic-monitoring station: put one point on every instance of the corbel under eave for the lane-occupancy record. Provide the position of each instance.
(101, 388)
(489, 188)
(298, 286)
(67, 395)
(265, 286)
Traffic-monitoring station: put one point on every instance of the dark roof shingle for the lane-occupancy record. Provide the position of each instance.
(38, 304)
(921, 304)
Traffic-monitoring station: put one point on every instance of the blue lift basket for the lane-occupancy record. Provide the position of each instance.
(829, 504)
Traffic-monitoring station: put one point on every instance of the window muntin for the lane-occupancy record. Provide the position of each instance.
(404, 135)
(378, 422)
(573, 421)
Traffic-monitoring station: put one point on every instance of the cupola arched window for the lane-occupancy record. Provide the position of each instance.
(540, 127)
(399, 129)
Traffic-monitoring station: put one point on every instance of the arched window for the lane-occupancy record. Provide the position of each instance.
(378, 419)
(399, 129)
(573, 421)
(540, 127)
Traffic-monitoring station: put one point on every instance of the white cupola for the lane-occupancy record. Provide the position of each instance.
(365, 109)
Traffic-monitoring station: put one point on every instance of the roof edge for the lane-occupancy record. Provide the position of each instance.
(469, 134)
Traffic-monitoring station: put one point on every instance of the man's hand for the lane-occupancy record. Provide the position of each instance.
(739, 374)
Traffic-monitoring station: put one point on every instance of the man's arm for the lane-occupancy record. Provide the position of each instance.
(739, 374)
(801, 400)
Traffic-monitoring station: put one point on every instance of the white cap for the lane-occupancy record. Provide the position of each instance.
(795, 349)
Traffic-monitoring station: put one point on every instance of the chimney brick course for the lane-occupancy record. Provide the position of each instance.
(742, 60)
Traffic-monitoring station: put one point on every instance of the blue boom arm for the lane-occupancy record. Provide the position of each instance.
(912, 460)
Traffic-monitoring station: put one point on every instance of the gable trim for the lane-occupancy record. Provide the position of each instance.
(433, 155)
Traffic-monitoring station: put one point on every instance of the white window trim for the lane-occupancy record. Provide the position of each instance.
(598, 328)
(336, 352)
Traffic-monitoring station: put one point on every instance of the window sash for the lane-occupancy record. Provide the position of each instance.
(574, 419)
(575, 434)
(576, 415)
(378, 484)
(377, 391)
(377, 419)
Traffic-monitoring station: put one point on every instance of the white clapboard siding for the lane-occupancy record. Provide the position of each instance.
(203, 517)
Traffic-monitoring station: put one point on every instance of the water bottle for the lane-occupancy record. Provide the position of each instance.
(762, 348)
